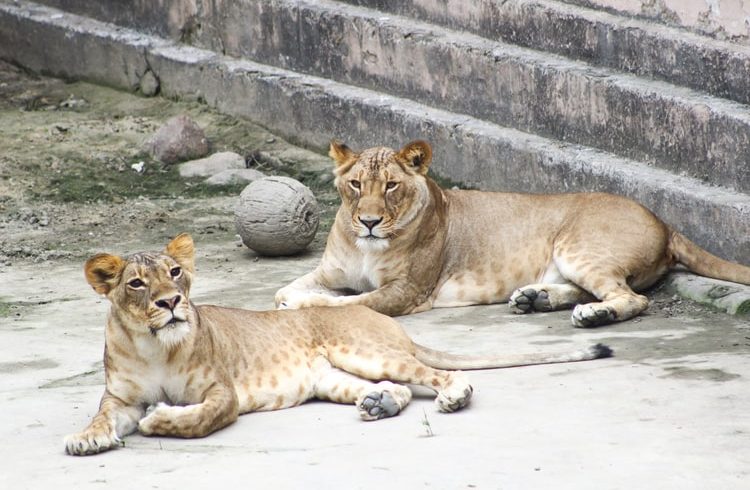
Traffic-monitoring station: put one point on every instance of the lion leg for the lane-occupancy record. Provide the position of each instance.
(617, 301)
(374, 401)
(114, 420)
(617, 305)
(452, 387)
(547, 297)
(218, 409)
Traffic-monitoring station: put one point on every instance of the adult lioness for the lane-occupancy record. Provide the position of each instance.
(203, 365)
(403, 245)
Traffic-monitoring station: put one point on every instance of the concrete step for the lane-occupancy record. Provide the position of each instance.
(310, 110)
(672, 127)
(720, 68)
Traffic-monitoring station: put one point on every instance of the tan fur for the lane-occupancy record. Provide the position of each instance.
(430, 247)
(199, 367)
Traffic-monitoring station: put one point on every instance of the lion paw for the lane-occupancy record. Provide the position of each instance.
(378, 405)
(450, 402)
(592, 315)
(529, 299)
(90, 442)
(304, 300)
(158, 420)
(288, 303)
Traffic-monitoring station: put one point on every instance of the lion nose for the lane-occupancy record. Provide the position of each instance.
(370, 223)
(169, 303)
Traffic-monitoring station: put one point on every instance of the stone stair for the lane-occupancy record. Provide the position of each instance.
(601, 102)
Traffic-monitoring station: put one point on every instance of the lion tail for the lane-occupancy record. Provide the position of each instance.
(704, 263)
(443, 360)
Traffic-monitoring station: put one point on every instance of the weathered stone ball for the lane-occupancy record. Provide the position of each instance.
(277, 216)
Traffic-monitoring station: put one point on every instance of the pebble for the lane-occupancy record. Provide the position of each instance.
(212, 165)
(235, 176)
(179, 139)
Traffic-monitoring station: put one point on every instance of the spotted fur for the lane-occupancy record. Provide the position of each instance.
(176, 369)
(403, 245)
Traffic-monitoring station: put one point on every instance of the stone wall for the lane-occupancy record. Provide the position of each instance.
(723, 19)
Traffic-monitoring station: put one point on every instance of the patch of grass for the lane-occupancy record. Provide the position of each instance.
(4, 309)
(92, 182)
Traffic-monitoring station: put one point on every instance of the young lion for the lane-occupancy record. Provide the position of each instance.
(403, 245)
(202, 366)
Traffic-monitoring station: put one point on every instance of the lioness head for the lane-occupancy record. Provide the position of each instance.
(148, 291)
(384, 189)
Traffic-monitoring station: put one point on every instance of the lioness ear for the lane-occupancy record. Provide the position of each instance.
(181, 249)
(418, 156)
(103, 272)
(341, 154)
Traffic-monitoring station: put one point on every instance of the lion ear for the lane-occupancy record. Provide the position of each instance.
(341, 154)
(418, 156)
(182, 249)
(103, 272)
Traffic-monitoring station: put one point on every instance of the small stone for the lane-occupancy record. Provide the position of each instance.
(212, 165)
(72, 102)
(235, 176)
(149, 84)
(178, 140)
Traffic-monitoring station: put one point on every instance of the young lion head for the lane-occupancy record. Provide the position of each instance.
(383, 189)
(148, 291)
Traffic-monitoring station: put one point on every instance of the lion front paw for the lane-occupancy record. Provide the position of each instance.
(158, 421)
(306, 300)
(592, 315)
(527, 300)
(90, 442)
(282, 299)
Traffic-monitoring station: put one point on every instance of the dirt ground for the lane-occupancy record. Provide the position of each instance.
(66, 183)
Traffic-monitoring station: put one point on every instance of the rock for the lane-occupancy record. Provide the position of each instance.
(178, 140)
(277, 216)
(212, 165)
(149, 84)
(725, 296)
(235, 176)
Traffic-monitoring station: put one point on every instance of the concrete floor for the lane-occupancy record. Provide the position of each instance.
(669, 411)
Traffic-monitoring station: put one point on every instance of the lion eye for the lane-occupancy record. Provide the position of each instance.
(355, 184)
(391, 185)
(136, 284)
(175, 271)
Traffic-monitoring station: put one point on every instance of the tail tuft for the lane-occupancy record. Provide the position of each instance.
(600, 351)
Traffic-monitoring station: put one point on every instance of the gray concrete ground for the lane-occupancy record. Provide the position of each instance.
(670, 410)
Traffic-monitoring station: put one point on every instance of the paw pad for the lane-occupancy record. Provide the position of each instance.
(378, 405)
(528, 300)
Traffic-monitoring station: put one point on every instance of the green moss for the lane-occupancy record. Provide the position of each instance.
(743, 308)
(4, 309)
(90, 182)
